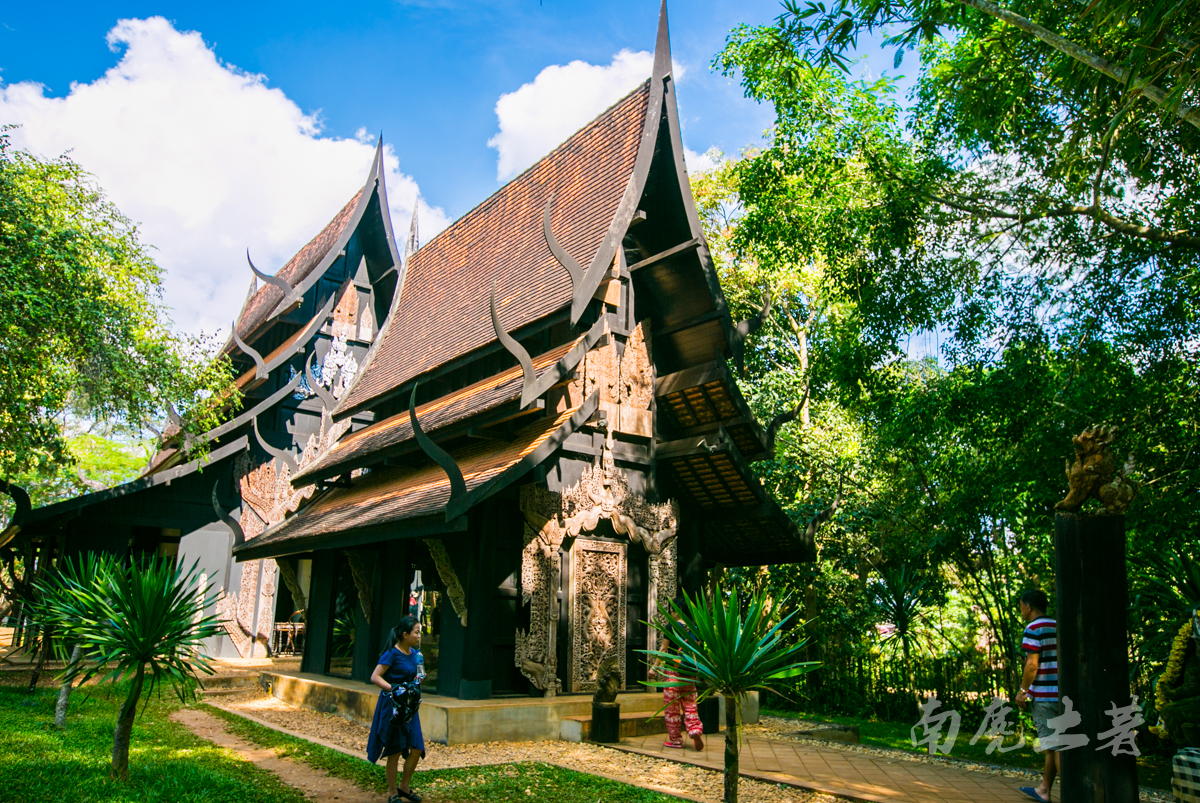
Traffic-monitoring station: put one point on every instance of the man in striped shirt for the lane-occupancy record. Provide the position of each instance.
(1039, 681)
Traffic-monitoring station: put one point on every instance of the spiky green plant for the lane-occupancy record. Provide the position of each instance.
(723, 650)
(136, 622)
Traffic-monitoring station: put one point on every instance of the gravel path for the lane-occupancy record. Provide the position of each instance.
(669, 775)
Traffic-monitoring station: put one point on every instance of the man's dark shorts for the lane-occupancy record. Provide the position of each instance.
(1042, 711)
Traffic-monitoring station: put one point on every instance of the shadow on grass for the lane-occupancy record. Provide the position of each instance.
(167, 762)
(491, 784)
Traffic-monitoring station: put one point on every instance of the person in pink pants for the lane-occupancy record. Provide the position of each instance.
(680, 711)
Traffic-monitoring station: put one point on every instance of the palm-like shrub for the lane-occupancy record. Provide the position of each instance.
(142, 623)
(900, 597)
(723, 650)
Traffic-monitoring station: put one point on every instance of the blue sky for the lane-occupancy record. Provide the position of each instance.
(211, 160)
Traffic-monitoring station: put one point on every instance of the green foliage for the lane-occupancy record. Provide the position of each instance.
(128, 618)
(723, 650)
(131, 621)
(1057, 207)
(84, 332)
(501, 782)
(1032, 53)
(170, 763)
(1042, 221)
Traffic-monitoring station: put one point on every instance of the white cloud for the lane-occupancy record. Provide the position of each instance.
(562, 99)
(701, 162)
(557, 103)
(208, 160)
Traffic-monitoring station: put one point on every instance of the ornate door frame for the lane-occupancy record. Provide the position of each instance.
(602, 493)
(596, 600)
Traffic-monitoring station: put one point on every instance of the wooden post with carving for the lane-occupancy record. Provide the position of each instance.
(1092, 599)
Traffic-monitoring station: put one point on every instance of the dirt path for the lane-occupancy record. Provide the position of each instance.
(313, 784)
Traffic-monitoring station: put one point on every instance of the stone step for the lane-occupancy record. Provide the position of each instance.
(633, 723)
(247, 681)
(217, 692)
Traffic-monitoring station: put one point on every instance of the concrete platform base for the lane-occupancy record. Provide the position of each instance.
(633, 723)
(447, 720)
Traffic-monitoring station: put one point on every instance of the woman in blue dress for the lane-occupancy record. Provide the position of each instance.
(399, 675)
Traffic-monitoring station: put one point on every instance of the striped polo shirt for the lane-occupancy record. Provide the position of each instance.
(1041, 636)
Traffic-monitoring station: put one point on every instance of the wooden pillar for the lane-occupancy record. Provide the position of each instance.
(476, 681)
(1093, 661)
(320, 613)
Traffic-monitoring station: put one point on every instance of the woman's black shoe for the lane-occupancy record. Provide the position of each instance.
(408, 797)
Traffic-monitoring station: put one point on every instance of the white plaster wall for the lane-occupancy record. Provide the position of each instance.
(210, 546)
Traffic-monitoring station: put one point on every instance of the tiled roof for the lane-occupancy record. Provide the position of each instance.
(486, 394)
(443, 310)
(265, 299)
(396, 494)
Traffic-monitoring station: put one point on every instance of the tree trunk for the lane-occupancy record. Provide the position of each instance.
(731, 749)
(1065, 46)
(120, 757)
(802, 336)
(64, 691)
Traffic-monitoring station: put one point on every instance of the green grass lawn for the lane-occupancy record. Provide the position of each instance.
(501, 782)
(1153, 770)
(167, 762)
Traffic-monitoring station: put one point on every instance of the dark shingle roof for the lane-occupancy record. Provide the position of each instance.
(443, 310)
(396, 494)
(298, 268)
(479, 397)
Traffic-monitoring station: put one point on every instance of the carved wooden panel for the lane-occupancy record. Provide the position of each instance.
(598, 575)
(536, 653)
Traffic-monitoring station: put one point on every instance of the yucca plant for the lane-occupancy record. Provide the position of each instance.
(142, 622)
(900, 598)
(723, 650)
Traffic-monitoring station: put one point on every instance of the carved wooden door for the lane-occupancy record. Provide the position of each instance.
(597, 605)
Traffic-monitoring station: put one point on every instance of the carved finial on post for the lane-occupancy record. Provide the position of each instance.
(1094, 474)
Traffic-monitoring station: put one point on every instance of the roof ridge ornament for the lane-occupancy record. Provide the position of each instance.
(413, 243)
(326, 397)
(785, 417)
(588, 282)
(573, 268)
(458, 486)
(239, 535)
(260, 366)
(290, 295)
(528, 377)
(662, 47)
(285, 456)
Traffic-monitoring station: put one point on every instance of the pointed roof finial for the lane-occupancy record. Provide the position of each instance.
(414, 241)
(662, 48)
(377, 162)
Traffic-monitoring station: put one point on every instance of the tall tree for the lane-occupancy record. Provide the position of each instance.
(85, 335)
(1041, 218)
